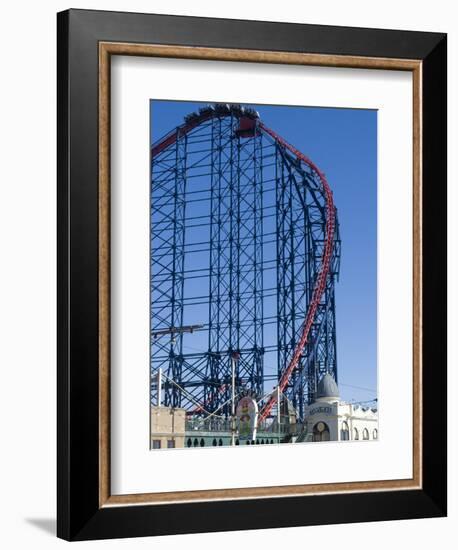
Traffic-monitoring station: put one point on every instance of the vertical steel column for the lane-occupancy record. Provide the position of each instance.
(214, 381)
(220, 326)
(256, 378)
(172, 393)
(284, 255)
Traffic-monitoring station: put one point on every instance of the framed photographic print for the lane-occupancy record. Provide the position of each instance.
(252, 274)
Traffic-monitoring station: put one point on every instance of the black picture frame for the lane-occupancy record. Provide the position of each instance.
(80, 516)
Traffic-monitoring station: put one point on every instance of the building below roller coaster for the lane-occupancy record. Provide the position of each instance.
(328, 418)
(225, 177)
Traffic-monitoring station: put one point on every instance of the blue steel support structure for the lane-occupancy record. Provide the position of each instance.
(238, 229)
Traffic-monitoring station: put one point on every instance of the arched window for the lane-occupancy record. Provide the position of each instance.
(365, 434)
(355, 434)
(196, 442)
(189, 442)
(375, 434)
(220, 442)
(214, 443)
(321, 432)
(344, 432)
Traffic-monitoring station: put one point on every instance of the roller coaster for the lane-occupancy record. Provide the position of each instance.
(245, 250)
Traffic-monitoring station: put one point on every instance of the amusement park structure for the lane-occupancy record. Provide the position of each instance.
(245, 253)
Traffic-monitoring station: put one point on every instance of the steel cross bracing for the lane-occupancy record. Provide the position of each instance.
(245, 244)
(299, 233)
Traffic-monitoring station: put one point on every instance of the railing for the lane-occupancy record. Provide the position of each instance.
(208, 425)
(225, 425)
(282, 428)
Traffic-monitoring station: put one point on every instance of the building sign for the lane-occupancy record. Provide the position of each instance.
(247, 418)
(316, 410)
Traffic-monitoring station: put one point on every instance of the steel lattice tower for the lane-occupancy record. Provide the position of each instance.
(245, 244)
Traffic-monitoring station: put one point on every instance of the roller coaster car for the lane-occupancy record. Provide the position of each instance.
(237, 109)
(191, 118)
(222, 108)
(204, 111)
(251, 113)
(247, 127)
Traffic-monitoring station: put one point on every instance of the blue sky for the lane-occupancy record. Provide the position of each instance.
(343, 143)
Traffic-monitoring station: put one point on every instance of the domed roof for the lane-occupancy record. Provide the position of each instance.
(327, 387)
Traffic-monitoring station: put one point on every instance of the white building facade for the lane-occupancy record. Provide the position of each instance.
(330, 419)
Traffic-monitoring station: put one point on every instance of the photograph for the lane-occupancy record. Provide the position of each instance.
(228, 275)
(263, 274)
(251, 273)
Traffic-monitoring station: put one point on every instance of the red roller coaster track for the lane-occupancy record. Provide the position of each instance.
(320, 283)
